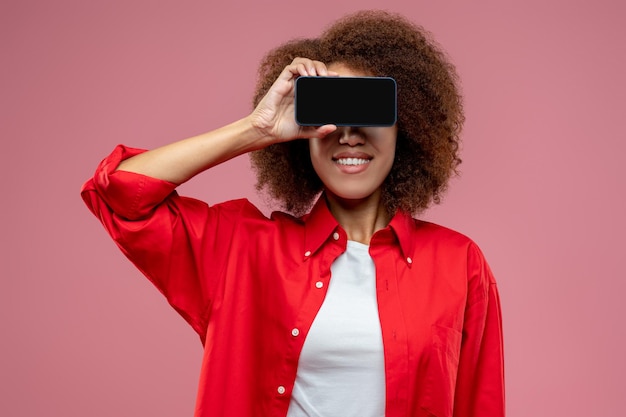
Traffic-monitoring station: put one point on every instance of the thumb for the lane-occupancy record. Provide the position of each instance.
(324, 130)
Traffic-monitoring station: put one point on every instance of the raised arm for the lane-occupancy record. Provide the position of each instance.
(272, 121)
(177, 242)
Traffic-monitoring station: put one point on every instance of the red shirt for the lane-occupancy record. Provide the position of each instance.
(245, 282)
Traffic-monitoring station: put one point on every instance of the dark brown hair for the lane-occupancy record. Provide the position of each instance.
(430, 111)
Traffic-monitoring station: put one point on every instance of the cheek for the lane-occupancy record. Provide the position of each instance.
(317, 159)
(387, 148)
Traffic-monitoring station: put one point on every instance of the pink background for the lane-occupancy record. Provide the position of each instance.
(542, 190)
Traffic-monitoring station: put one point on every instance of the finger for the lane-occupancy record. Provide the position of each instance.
(309, 132)
(320, 68)
(300, 60)
(290, 70)
(311, 71)
(312, 67)
(325, 130)
(302, 69)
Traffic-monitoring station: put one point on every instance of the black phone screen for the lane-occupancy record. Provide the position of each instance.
(345, 101)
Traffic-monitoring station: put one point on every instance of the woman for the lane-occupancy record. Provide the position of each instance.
(353, 308)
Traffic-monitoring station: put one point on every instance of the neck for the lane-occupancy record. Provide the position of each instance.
(359, 218)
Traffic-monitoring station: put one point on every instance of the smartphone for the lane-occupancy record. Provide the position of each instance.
(346, 101)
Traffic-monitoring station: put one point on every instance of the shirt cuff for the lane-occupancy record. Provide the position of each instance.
(129, 195)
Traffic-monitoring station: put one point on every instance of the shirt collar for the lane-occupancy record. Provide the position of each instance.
(320, 224)
(403, 225)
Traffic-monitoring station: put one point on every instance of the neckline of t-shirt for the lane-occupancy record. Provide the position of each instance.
(353, 244)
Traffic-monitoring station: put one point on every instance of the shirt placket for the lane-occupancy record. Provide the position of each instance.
(393, 324)
(316, 278)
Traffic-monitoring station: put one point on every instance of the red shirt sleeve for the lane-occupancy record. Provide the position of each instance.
(165, 235)
(480, 381)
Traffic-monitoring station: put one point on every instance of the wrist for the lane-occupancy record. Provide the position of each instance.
(256, 132)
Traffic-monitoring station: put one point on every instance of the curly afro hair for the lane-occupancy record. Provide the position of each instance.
(430, 111)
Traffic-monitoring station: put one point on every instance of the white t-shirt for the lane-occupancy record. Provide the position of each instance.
(341, 371)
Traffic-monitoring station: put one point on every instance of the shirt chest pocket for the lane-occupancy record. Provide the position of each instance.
(441, 371)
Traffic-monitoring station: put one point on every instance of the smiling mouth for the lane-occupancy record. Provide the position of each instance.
(352, 161)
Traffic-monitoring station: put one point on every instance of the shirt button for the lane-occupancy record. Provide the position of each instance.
(307, 253)
(409, 260)
(295, 332)
(319, 284)
(281, 390)
(336, 236)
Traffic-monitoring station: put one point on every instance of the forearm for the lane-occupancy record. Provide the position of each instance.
(179, 161)
(272, 121)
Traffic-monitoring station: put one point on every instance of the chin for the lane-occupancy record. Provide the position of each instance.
(351, 194)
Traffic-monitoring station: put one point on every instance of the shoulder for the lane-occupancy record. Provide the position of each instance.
(447, 240)
(244, 212)
(436, 234)
(452, 249)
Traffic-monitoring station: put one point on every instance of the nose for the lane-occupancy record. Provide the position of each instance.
(351, 136)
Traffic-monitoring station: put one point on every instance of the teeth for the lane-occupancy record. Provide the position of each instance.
(352, 161)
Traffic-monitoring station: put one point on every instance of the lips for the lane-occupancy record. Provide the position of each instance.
(352, 162)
